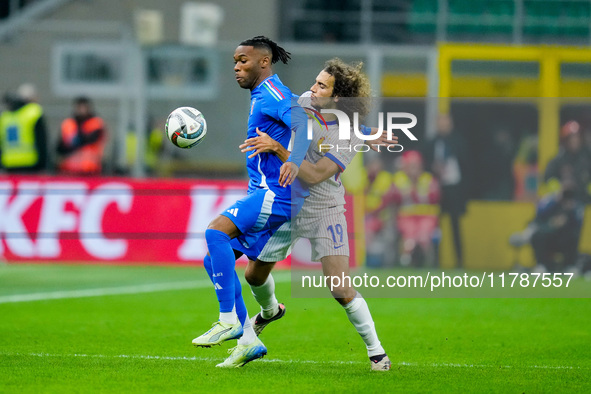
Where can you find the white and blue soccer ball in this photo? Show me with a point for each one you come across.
(185, 127)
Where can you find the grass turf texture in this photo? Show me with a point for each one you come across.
(142, 342)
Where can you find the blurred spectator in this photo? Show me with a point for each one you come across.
(525, 168)
(555, 231)
(378, 217)
(379, 182)
(82, 141)
(154, 147)
(498, 167)
(445, 157)
(23, 133)
(586, 134)
(415, 193)
(572, 164)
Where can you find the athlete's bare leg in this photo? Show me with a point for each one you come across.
(257, 272)
(354, 305)
(339, 266)
(225, 225)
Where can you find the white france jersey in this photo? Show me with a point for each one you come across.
(326, 143)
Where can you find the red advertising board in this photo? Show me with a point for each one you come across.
(110, 219)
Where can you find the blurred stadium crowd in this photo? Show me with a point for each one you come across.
(407, 196)
(25, 146)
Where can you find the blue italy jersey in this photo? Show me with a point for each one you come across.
(271, 111)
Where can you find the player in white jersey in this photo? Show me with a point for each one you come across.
(322, 218)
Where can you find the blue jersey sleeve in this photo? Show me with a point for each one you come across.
(275, 109)
(365, 130)
(292, 115)
(299, 125)
(282, 105)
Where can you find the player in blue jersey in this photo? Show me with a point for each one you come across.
(245, 227)
(322, 220)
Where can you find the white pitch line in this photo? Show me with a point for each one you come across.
(104, 291)
(107, 291)
(267, 360)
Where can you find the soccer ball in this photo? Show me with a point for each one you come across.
(185, 127)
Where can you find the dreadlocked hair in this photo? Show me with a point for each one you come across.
(350, 82)
(277, 52)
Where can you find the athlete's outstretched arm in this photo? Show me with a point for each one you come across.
(313, 174)
(309, 173)
(381, 140)
(264, 143)
(260, 145)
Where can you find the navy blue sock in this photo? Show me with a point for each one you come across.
(223, 263)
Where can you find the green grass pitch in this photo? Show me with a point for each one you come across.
(141, 341)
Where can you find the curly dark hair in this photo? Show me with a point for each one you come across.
(277, 52)
(350, 82)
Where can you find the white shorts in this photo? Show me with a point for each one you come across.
(327, 234)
